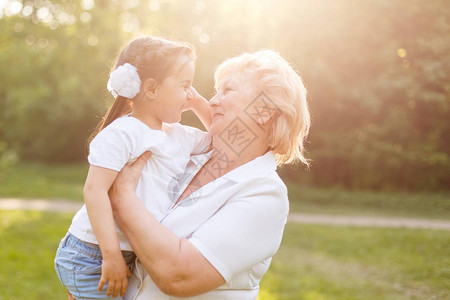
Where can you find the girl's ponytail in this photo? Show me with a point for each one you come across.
(121, 106)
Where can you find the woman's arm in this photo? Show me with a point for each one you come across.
(114, 269)
(174, 264)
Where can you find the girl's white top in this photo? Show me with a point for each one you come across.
(123, 141)
(236, 222)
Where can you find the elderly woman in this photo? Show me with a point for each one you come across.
(230, 206)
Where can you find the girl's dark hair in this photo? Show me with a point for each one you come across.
(153, 57)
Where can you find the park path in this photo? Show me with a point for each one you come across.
(302, 218)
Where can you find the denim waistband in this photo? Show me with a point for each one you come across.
(90, 249)
(81, 246)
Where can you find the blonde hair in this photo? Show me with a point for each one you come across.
(275, 77)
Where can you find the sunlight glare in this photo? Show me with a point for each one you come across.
(199, 7)
(87, 4)
(85, 17)
(154, 5)
(44, 14)
(93, 41)
(204, 38)
(197, 29)
(27, 10)
(13, 8)
(63, 17)
(401, 52)
(53, 25)
(3, 4)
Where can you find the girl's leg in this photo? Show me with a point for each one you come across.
(69, 295)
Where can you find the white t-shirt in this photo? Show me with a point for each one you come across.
(123, 141)
(235, 221)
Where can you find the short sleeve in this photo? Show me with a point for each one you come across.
(111, 149)
(245, 231)
(197, 140)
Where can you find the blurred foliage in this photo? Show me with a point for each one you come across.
(377, 74)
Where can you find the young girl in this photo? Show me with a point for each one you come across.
(152, 85)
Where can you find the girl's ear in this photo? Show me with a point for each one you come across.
(150, 87)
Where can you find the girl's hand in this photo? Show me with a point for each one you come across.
(200, 106)
(193, 101)
(114, 272)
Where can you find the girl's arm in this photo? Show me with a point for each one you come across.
(114, 268)
(174, 264)
(200, 106)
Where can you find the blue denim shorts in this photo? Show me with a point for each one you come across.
(79, 267)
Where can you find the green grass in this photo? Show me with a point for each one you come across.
(28, 244)
(383, 203)
(323, 262)
(35, 180)
(314, 262)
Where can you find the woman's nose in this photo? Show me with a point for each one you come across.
(214, 100)
(189, 95)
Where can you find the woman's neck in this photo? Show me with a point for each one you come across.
(225, 158)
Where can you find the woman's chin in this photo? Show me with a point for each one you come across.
(214, 129)
(173, 120)
(176, 118)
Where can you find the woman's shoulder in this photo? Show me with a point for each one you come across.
(269, 184)
(260, 181)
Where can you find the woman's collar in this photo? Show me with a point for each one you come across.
(257, 167)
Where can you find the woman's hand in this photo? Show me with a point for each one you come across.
(128, 178)
(126, 183)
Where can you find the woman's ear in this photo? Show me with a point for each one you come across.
(150, 87)
(266, 116)
(263, 119)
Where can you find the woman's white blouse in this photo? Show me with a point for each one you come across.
(235, 221)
